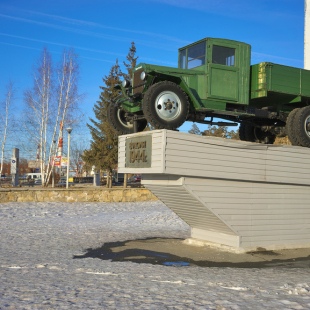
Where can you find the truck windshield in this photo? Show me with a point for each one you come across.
(193, 56)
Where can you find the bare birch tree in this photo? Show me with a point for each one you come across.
(5, 120)
(39, 100)
(76, 160)
(67, 98)
(52, 101)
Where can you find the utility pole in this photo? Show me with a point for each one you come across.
(15, 167)
(53, 161)
(69, 130)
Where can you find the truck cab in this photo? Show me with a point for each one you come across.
(225, 71)
(212, 79)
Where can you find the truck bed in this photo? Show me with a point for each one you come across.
(287, 83)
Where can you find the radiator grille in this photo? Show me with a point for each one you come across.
(138, 85)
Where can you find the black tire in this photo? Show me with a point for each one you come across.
(117, 119)
(165, 105)
(302, 126)
(251, 133)
(242, 132)
(291, 127)
(246, 132)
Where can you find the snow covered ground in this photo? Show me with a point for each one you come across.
(38, 270)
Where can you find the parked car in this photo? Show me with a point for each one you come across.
(38, 181)
(63, 183)
(134, 180)
(35, 176)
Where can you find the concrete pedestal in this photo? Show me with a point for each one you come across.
(238, 194)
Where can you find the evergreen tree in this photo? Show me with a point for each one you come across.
(104, 145)
(132, 61)
(195, 130)
(103, 148)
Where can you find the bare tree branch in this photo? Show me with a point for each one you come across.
(5, 120)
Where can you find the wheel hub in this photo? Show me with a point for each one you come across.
(167, 105)
(122, 117)
(307, 125)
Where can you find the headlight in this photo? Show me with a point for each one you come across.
(126, 83)
(143, 76)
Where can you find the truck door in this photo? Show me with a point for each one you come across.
(223, 72)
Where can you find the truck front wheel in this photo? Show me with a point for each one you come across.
(120, 122)
(165, 105)
(302, 126)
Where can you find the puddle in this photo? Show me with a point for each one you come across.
(176, 264)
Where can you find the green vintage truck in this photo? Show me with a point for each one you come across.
(215, 81)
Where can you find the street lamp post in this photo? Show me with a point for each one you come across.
(69, 130)
(53, 168)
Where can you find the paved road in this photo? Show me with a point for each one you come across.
(44, 264)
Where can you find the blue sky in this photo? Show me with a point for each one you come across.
(101, 31)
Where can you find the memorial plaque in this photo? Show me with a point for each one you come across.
(139, 152)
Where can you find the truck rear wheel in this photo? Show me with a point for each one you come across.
(119, 121)
(259, 134)
(302, 126)
(165, 105)
(290, 127)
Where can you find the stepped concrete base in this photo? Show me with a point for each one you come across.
(237, 194)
